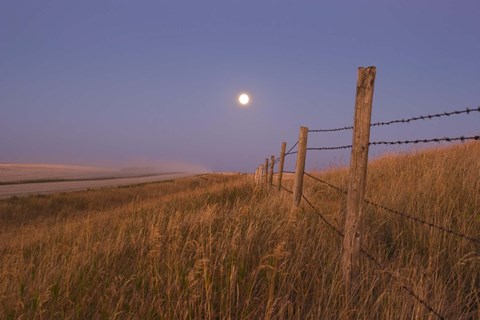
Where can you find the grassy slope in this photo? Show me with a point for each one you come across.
(221, 248)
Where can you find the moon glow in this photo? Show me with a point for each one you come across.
(244, 99)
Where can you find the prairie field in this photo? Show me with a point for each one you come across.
(220, 247)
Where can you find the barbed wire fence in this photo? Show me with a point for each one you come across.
(387, 123)
(357, 183)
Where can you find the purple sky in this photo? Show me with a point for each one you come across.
(121, 83)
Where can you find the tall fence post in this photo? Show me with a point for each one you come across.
(260, 172)
(300, 166)
(272, 165)
(266, 171)
(352, 242)
(280, 165)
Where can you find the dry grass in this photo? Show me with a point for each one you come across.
(222, 248)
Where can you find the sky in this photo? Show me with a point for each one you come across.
(122, 83)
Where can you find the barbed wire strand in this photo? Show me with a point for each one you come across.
(286, 154)
(419, 220)
(278, 159)
(378, 264)
(331, 130)
(404, 287)
(438, 140)
(289, 151)
(423, 117)
(330, 148)
(338, 232)
(325, 182)
(283, 188)
(370, 257)
(426, 117)
(403, 214)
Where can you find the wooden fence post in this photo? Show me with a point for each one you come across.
(266, 171)
(260, 176)
(260, 179)
(280, 165)
(352, 242)
(272, 164)
(300, 166)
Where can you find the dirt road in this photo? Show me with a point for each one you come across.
(24, 189)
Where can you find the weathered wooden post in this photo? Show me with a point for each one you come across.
(352, 242)
(266, 171)
(260, 180)
(281, 164)
(272, 165)
(300, 166)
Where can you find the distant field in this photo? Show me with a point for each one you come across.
(25, 179)
(219, 247)
(16, 173)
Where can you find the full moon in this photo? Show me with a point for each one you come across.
(243, 99)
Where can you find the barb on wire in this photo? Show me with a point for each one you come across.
(426, 117)
(423, 117)
(438, 140)
(331, 148)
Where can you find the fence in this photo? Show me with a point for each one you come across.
(355, 194)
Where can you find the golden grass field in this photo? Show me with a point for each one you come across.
(218, 247)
